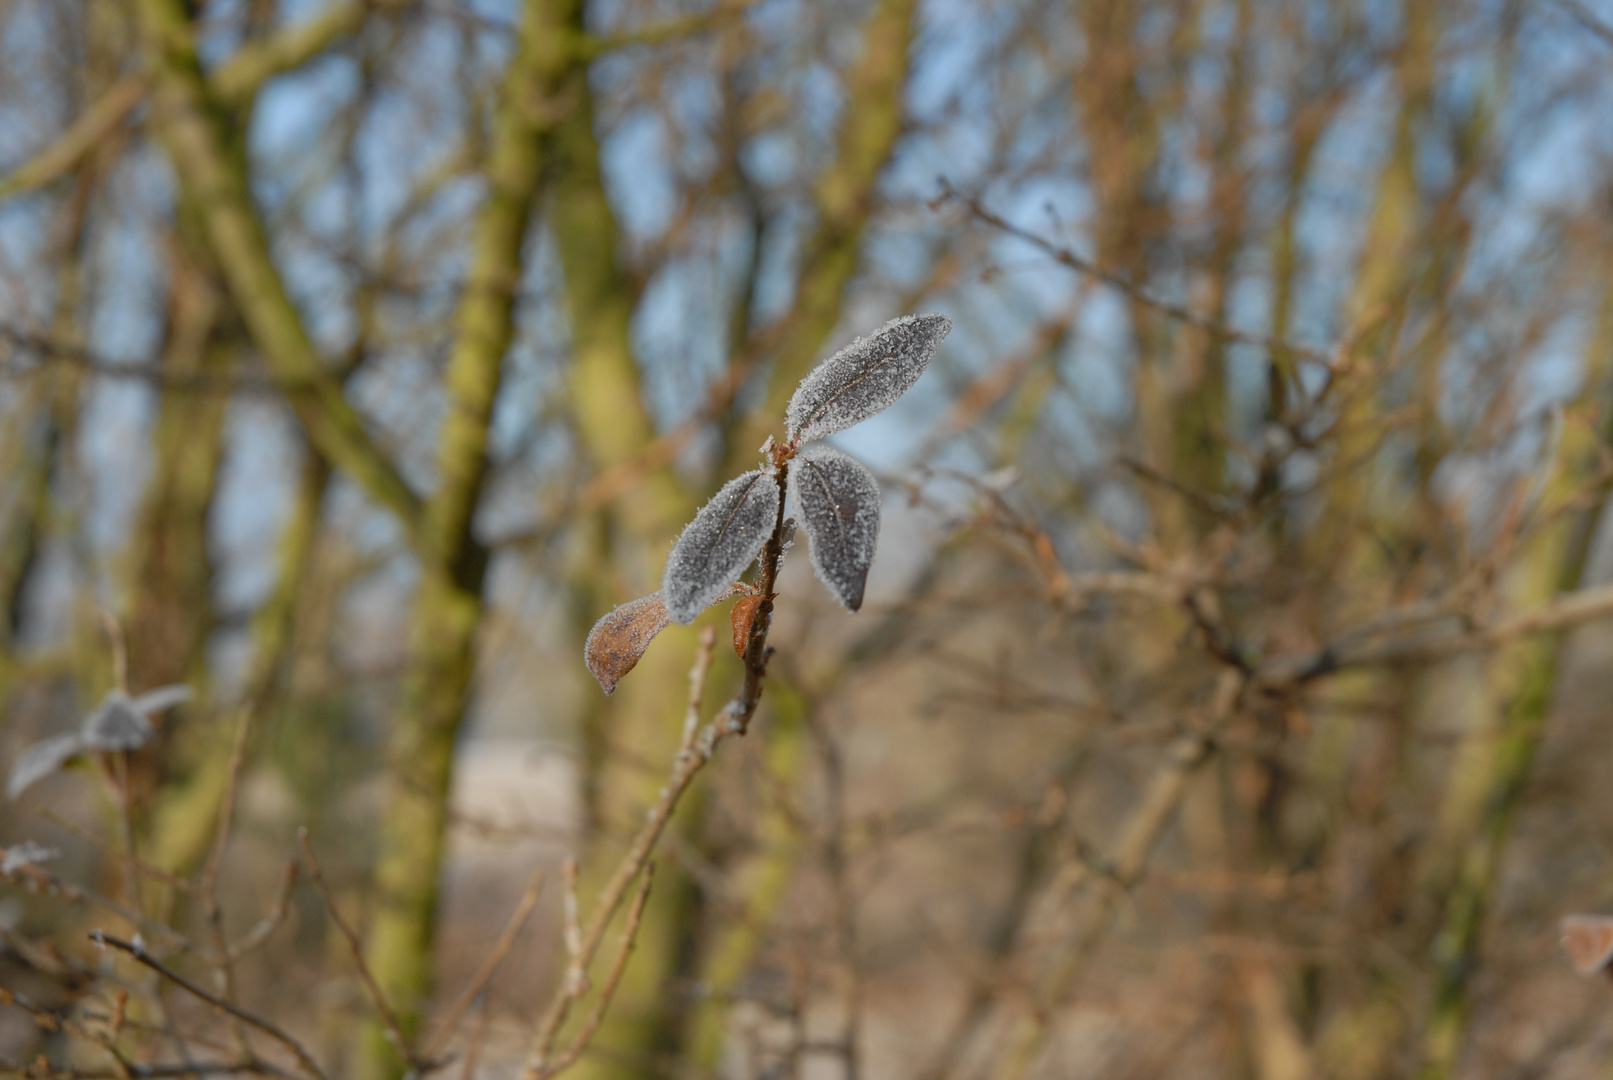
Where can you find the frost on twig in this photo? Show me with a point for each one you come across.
(24, 854)
(838, 500)
(866, 377)
(715, 548)
(620, 637)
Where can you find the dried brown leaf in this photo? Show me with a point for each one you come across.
(741, 618)
(619, 638)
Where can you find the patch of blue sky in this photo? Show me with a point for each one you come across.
(696, 98)
(31, 111)
(534, 365)
(403, 134)
(321, 287)
(780, 258)
(293, 113)
(1049, 208)
(820, 101)
(637, 175)
(680, 336)
(129, 270)
(24, 239)
(258, 476)
(218, 36)
(900, 257)
(959, 152)
(775, 19)
(953, 40)
(771, 159)
(114, 449)
(403, 397)
(1097, 364)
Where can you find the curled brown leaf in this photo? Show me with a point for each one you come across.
(620, 637)
(742, 617)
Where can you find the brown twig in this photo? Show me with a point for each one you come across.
(139, 953)
(38, 880)
(156, 873)
(1574, 609)
(585, 1033)
(224, 969)
(271, 922)
(389, 1019)
(739, 711)
(586, 940)
(136, 1071)
(1065, 257)
(490, 965)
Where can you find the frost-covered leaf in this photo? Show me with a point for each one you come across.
(164, 697)
(838, 500)
(117, 725)
(865, 377)
(618, 639)
(40, 760)
(24, 854)
(717, 546)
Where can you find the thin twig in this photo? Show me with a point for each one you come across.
(139, 953)
(490, 965)
(271, 922)
(585, 1033)
(1070, 259)
(137, 1071)
(1574, 609)
(389, 1019)
(157, 873)
(686, 766)
(224, 970)
(41, 882)
(740, 710)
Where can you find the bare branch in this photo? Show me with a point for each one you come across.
(140, 955)
(585, 1033)
(238, 78)
(490, 965)
(388, 1018)
(82, 136)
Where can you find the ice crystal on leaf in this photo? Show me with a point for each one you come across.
(619, 638)
(715, 548)
(837, 497)
(866, 377)
(838, 500)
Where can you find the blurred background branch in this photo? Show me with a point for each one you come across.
(1228, 694)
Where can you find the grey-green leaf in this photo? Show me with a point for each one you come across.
(838, 500)
(715, 548)
(164, 697)
(40, 760)
(117, 725)
(865, 377)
